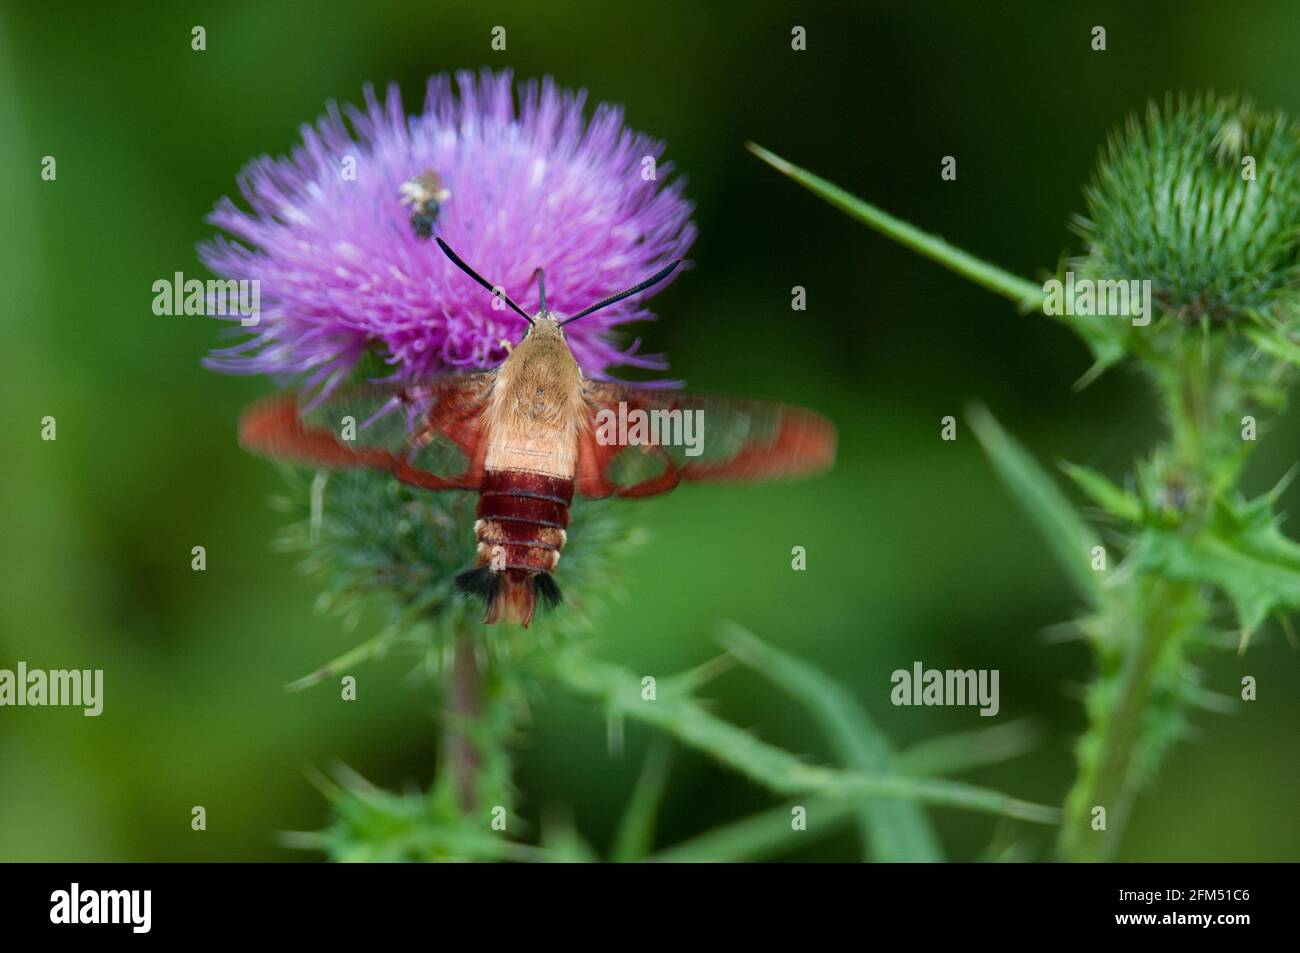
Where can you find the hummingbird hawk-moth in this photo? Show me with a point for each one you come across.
(527, 436)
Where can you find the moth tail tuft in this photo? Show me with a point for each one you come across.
(481, 584)
(547, 590)
(509, 596)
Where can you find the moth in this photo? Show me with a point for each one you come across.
(528, 435)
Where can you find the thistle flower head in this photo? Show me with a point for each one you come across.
(1202, 199)
(338, 233)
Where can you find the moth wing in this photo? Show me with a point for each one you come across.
(429, 435)
(731, 440)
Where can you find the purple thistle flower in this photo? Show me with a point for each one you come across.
(343, 270)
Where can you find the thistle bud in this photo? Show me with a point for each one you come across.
(1202, 198)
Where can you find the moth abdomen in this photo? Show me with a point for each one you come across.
(521, 530)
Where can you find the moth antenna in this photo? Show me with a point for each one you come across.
(459, 263)
(541, 287)
(635, 289)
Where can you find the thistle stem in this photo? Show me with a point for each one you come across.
(464, 706)
(1147, 620)
(1119, 741)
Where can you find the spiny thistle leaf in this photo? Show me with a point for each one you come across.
(563, 842)
(949, 754)
(1062, 527)
(1025, 294)
(1241, 551)
(635, 835)
(892, 830)
(689, 722)
(1111, 498)
(766, 834)
(373, 825)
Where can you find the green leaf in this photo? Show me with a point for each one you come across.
(374, 825)
(1064, 530)
(688, 721)
(963, 750)
(1242, 551)
(372, 647)
(1104, 337)
(1110, 497)
(761, 835)
(1106, 341)
(563, 843)
(769, 833)
(636, 831)
(892, 830)
(1274, 343)
(1027, 295)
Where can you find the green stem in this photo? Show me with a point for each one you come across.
(464, 706)
(1146, 622)
(1120, 744)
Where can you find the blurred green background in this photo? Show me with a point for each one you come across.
(915, 551)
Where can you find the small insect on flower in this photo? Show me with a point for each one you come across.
(529, 433)
(425, 194)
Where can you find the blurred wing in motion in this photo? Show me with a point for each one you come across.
(642, 442)
(427, 435)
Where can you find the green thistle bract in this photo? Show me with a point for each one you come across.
(1203, 199)
(369, 541)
